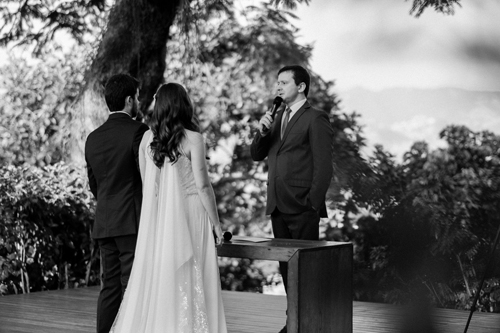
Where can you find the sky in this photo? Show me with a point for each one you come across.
(408, 77)
(377, 44)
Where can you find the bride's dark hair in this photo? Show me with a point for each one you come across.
(173, 112)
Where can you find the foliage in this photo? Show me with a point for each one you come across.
(418, 6)
(233, 58)
(241, 275)
(442, 6)
(45, 233)
(437, 223)
(37, 22)
(34, 112)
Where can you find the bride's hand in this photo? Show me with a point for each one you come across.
(218, 235)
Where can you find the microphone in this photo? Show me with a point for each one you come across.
(276, 104)
(227, 236)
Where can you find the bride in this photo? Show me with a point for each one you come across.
(174, 286)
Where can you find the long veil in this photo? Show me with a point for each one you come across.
(164, 245)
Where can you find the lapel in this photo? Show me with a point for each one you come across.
(293, 120)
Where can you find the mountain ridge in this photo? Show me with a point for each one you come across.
(397, 117)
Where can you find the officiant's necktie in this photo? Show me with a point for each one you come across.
(285, 121)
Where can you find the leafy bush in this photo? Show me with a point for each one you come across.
(35, 107)
(432, 225)
(45, 232)
(45, 238)
(241, 275)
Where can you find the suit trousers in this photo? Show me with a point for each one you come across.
(117, 256)
(303, 226)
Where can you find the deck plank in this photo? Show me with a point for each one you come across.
(73, 310)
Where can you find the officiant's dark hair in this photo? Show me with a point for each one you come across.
(173, 112)
(300, 74)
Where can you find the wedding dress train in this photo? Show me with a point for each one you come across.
(174, 286)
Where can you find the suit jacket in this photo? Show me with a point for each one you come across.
(111, 153)
(300, 164)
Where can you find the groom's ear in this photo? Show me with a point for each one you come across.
(129, 101)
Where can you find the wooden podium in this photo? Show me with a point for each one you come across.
(320, 275)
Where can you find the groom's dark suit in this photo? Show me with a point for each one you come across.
(111, 153)
(300, 170)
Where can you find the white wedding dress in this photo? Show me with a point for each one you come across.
(174, 286)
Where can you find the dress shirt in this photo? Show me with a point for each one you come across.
(113, 112)
(294, 107)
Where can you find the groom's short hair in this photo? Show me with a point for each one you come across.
(117, 89)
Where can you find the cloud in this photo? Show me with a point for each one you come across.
(396, 118)
(485, 50)
(377, 44)
(417, 128)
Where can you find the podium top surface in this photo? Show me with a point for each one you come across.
(272, 248)
(281, 242)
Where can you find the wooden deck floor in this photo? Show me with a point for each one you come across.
(73, 310)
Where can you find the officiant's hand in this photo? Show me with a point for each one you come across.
(265, 123)
(218, 235)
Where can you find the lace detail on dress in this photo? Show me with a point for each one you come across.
(201, 318)
(186, 176)
(197, 312)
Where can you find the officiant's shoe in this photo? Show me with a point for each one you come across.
(283, 330)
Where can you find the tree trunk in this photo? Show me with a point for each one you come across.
(134, 43)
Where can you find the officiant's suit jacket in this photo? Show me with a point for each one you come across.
(111, 153)
(300, 164)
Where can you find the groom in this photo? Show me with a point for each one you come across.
(298, 146)
(111, 153)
